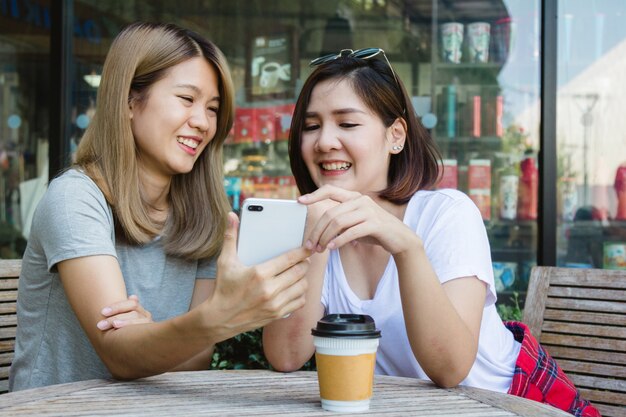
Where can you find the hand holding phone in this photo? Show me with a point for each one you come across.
(268, 228)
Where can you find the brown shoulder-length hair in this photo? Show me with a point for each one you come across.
(141, 55)
(413, 169)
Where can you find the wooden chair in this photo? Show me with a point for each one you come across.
(579, 316)
(9, 274)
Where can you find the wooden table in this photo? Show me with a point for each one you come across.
(258, 393)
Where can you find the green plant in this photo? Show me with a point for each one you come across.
(245, 351)
(510, 312)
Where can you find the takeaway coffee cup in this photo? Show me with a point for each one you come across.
(345, 354)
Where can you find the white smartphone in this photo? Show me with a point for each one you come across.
(268, 228)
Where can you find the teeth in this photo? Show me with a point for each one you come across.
(188, 142)
(334, 166)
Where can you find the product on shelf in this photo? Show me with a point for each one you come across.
(478, 42)
(451, 122)
(620, 189)
(450, 177)
(282, 121)
(232, 186)
(245, 125)
(504, 275)
(528, 189)
(614, 255)
(569, 199)
(451, 42)
(508, 196)
(503, 34)
(265, 124)
(479, 185)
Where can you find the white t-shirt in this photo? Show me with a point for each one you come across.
(456, 243)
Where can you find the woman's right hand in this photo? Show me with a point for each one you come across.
(251, 297)
(124, 313)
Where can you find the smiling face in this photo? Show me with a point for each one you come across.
(177, 119)
(344, 143)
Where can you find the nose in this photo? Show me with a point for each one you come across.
(328, 139)
(199, 119)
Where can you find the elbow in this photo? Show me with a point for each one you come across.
(123, 374)
(449, 378)
(123, 371)
(447, 381)
(449, 374)
(285, 364)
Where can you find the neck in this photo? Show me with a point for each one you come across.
(155, 191)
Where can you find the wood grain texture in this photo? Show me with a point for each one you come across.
(9, 279)
(579, 316)
(258, 393)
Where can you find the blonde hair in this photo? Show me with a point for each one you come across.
(139, 56)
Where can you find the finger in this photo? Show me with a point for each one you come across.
(328, 192)
(229, 248)
(283, 262)
(330, 225)
(292, 298)
(122, 320)
(121, 307)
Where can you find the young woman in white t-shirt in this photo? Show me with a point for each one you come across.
(415, 259)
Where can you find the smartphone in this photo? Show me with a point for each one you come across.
(268, 228)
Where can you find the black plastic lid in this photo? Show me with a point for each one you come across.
(347, 325)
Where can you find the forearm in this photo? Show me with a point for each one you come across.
(149, 349)
(440, 339)
(200, 362)
(288, 343)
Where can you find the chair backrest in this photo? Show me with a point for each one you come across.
(9, 274)
(579, 316)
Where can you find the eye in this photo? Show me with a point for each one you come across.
(213, 109)
(348, 125)
(310, 127)
(187, 98)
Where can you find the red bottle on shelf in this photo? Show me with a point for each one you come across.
(528, 189)
(620, 189)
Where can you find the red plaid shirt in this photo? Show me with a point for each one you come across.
(538, 377)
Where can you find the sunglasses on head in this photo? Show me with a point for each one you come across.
(365, 53)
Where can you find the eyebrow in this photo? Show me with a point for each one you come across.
(337, 112)
(196, 90)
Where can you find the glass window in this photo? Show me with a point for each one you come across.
(590, 134)
(24, 118)
(471, 67)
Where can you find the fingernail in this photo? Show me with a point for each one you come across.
(331, 245)
(320, 249)
(103, 325)
(118, 323)
(303, 197)
(106, 311)
(308, 245)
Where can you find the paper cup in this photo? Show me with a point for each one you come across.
(478, 42)
(345, 355)
(451, 41)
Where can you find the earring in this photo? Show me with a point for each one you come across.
(397, 148)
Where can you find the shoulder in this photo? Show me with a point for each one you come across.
(441, 201)
(72, 197)
(74, 186)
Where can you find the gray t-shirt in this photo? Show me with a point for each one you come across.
(73, 220)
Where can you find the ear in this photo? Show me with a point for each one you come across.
(396, 135)
(131, 103)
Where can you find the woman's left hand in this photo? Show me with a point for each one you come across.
(356, 218)
(124, 313)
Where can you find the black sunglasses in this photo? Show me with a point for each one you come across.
(365, 53)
